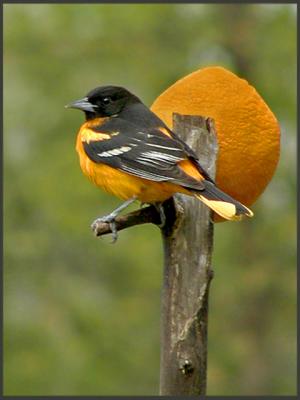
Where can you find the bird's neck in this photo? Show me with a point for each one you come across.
(140, 115)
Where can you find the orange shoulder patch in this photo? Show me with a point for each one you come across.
(87, 133)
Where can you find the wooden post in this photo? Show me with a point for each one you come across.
(188, 242)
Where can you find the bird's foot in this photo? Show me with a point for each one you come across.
(107, 219)
(111, 219)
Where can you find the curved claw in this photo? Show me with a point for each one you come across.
(114, 231)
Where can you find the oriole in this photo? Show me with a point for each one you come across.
(125, 149)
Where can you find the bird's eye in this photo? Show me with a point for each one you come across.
(106, 100)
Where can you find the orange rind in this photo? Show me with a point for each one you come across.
(248, 133)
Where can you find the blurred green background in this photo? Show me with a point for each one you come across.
(82, 316)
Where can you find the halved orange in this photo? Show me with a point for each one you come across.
(247, 131)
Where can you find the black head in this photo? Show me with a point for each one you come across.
(104, 101)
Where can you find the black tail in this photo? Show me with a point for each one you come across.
(222, 203)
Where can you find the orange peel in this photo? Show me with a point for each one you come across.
(248, 133)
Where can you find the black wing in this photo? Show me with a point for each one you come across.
(147, 153)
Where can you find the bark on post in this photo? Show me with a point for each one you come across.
(188, 242)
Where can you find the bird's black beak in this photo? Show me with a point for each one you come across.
(82, 104)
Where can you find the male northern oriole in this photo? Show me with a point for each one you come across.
(128, 151)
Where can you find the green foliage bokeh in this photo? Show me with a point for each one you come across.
(81, 317)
